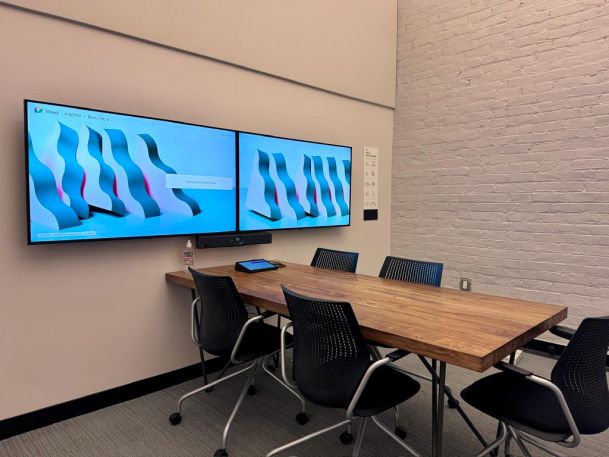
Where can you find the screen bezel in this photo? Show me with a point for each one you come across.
(27, 181)
(239, 230)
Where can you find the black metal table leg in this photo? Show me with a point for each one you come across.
(458, 407)
(438, 381)
(511, 361)
(434, 410)
(440, 413)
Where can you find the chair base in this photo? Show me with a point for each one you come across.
(506, 435)
(358, 441)
(249, 388)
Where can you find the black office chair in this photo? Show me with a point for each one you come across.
(335, 260)
(332, 367)
(413, 271)
(574, 402)
(331, 259)
(226, 331)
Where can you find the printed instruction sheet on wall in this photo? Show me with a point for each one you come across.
(371, 183)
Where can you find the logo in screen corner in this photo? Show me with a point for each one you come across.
(38, 109)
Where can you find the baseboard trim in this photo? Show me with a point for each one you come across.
(73, 408)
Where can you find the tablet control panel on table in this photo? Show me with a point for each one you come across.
(254, 266)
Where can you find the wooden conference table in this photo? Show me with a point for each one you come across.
(466, 329)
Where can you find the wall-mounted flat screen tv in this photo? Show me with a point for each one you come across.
(287, 184)
(98, 175)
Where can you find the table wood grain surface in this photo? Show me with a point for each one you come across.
(466, 329)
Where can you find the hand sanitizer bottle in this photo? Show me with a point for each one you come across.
(189, 256)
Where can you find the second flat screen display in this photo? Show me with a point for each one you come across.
(287, 184)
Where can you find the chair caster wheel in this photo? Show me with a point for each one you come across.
(221, 453)
(400, 432)
(452, 403)
(175, 418)
(251, 390)
(346, 437)
(302, 418)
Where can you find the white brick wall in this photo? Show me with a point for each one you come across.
(501, 146)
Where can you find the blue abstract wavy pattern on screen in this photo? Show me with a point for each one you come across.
(310, 193)
(309, 183)
(292, 198)
(136, 182)
(50, 210)
(153, 152)
(269, 186)
(95, 175)
(338, 187)
(73, 173)
(106, 175)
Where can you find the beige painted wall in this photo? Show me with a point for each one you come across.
(346, 46)
(501, 147)
(77, 319)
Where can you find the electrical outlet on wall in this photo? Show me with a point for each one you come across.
(465, 284)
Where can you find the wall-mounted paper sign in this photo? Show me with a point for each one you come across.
(371, 183)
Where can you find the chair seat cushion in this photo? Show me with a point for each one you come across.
(260, 339)
(386, 388)
(520, 403)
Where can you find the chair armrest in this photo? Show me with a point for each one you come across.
(284, 375)
(546, 347)
(267, 314)
(363, 382)
(513, 369)
(259, 312)
(193, 314)
(527, 375)
(562, 331)
(563, 406)
(249, 322)
(397, 354)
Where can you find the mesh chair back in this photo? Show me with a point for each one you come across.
(580, 375)
(330, 353)
(335, 260)
(415, 271)
(222, 313)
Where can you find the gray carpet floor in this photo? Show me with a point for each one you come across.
(139, 428)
